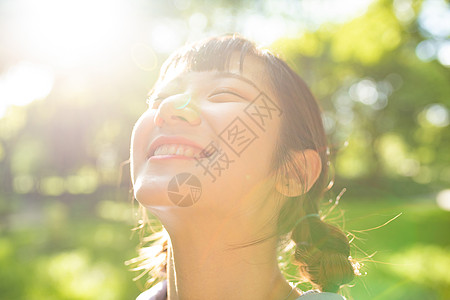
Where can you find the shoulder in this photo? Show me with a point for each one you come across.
(157, 292)
(320, 296)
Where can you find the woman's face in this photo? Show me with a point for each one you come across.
(207, 140)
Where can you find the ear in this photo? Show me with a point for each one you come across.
(308, 165)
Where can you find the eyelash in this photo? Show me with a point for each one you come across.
(222, 92)
(152, 101)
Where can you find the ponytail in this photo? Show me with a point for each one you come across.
(322, 253)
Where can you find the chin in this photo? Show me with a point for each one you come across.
(151, 192)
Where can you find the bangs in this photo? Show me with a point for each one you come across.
(213, 54)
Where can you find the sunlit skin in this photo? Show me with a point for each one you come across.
(239, 207)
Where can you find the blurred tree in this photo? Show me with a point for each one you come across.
(382, 79)
(391, 107)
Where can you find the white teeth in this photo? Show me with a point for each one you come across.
(165, 148)
(189, 152)
(172, 149)
(175, 149)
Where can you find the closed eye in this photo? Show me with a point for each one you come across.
(153, 102)
(225, 96)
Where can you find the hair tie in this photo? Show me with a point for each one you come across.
(305, 217)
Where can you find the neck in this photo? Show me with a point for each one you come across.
(208, 259)
(204, 266)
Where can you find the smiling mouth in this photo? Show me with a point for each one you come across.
(181, 150)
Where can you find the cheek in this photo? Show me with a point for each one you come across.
(219, 115)
(234, 126)
(251, 163)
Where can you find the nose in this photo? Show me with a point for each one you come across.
(177, 109)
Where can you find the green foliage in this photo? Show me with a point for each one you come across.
(378, 97)
(404, 259)
(64, 254)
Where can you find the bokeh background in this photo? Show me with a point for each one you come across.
(74, 77)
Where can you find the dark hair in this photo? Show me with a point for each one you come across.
(322, 250)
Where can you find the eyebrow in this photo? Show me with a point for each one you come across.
(237, 76)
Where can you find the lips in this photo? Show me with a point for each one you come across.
(164, 146)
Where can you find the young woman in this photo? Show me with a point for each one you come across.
(231, 157)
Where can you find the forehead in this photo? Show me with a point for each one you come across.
(252, 71)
